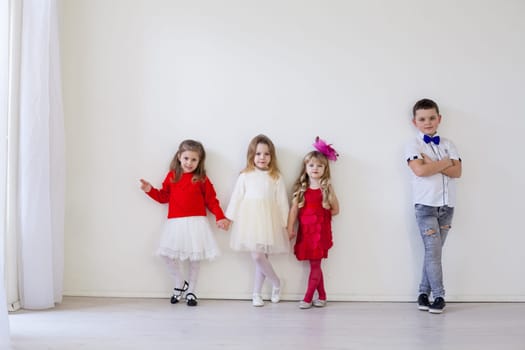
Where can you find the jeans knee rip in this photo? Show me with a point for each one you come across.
(446, 227)
(430, 232)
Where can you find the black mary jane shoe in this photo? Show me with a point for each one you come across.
(191, 299)
(177, 293)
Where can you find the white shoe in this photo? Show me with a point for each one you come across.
(304, 305)
(257, 300)
(276, 293)
(319, 303)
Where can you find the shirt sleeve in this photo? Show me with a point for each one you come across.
(162, 195)
(236, 198)
(412, 151)
(212, 203)
(452, 151)
(281, 198)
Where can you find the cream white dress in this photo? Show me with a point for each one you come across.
(259, 211)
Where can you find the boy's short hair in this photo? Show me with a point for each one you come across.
(424, 104)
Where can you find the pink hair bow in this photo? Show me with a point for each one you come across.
(325, 149)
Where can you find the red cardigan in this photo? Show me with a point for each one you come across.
(186, 197)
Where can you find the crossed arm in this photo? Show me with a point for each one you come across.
(428, 167)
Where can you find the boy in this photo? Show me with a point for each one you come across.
(435, 163)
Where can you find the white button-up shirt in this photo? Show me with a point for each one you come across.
(436, 190)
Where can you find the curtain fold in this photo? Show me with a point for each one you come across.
(4, 321)
(41, 171)
(4, 93)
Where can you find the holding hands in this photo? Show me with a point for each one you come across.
(224, 224)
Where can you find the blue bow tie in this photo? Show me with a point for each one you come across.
(429, 139)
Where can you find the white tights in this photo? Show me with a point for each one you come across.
(175, 269)
(263, 269)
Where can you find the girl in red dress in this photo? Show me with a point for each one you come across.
(187, 234)
(313, 204)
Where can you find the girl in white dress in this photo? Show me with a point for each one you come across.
(259, 210)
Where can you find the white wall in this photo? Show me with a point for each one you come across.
(140, 76)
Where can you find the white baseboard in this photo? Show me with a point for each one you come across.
(293, 297)
(14, 306)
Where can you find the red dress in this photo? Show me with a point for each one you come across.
(314, 235)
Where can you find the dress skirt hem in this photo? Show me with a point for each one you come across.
(188, 238)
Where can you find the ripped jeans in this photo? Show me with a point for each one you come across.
(434, 224)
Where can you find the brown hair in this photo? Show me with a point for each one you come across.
(199, 174)
(273, 169)
(424, 104)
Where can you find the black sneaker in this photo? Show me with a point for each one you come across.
(422, 302)
(437, 306)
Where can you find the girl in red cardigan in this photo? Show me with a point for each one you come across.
(187, 234)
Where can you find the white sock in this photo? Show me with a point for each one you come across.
(193, 275)
(258, 280)
(263, 268)
(175, 270)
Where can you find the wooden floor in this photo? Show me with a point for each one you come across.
(114, 324)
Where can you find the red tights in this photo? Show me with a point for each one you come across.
(315, 282)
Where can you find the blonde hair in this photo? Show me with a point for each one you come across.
(303, 181)
(199, 174)
(273, 169)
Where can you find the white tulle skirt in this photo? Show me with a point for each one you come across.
(259, 228)
(188, 238)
